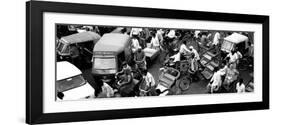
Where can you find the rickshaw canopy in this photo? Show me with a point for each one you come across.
(118, 30)
(112, 42)
(81, 37)
(236, 38)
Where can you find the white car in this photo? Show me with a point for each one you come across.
(70, 84)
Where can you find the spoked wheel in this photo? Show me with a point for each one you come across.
(184, 83)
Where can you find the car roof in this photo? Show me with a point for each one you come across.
(112, 42)
(81, 37)
(66, 70)
(236, 38)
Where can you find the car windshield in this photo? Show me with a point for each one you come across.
(227, 45)
(60, 46)
(105, 63)
(70, 83)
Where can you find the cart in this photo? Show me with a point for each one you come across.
(150, 53)
(209, 61)
(168, 78)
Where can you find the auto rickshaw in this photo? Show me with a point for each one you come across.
(79, 44)
(108, 54)
(234, 41)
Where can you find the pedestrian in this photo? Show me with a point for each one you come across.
(240, 87)
(172, 34)
(250, 51)
(194, 51)
(183, 49)
(159, 35)
(238, 56)
(106, 90)
(196, 34)
(154, 41)
(139, 58)
(223, 69)
(232, 56)
(149, 81)
(135, 43)
(231, 75)
(215, 82)
(176, 57)
(135, 31)
(193, 68)
(216, 39)
(204, 39)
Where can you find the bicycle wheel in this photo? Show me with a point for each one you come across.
(184, 84)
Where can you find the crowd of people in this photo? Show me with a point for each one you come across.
(175, 46)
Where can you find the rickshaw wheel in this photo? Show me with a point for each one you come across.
(184, 84)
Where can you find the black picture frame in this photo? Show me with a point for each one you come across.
(34, 61)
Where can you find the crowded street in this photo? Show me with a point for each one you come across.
(139, 62)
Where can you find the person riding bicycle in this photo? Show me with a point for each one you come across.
(125, 85)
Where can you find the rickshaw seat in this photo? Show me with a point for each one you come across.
(167, 80)
(214, 64)
(209, 66)
(211, 54)
(207, 73)
(207, 56)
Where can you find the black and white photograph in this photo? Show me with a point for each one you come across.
(98, 61)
